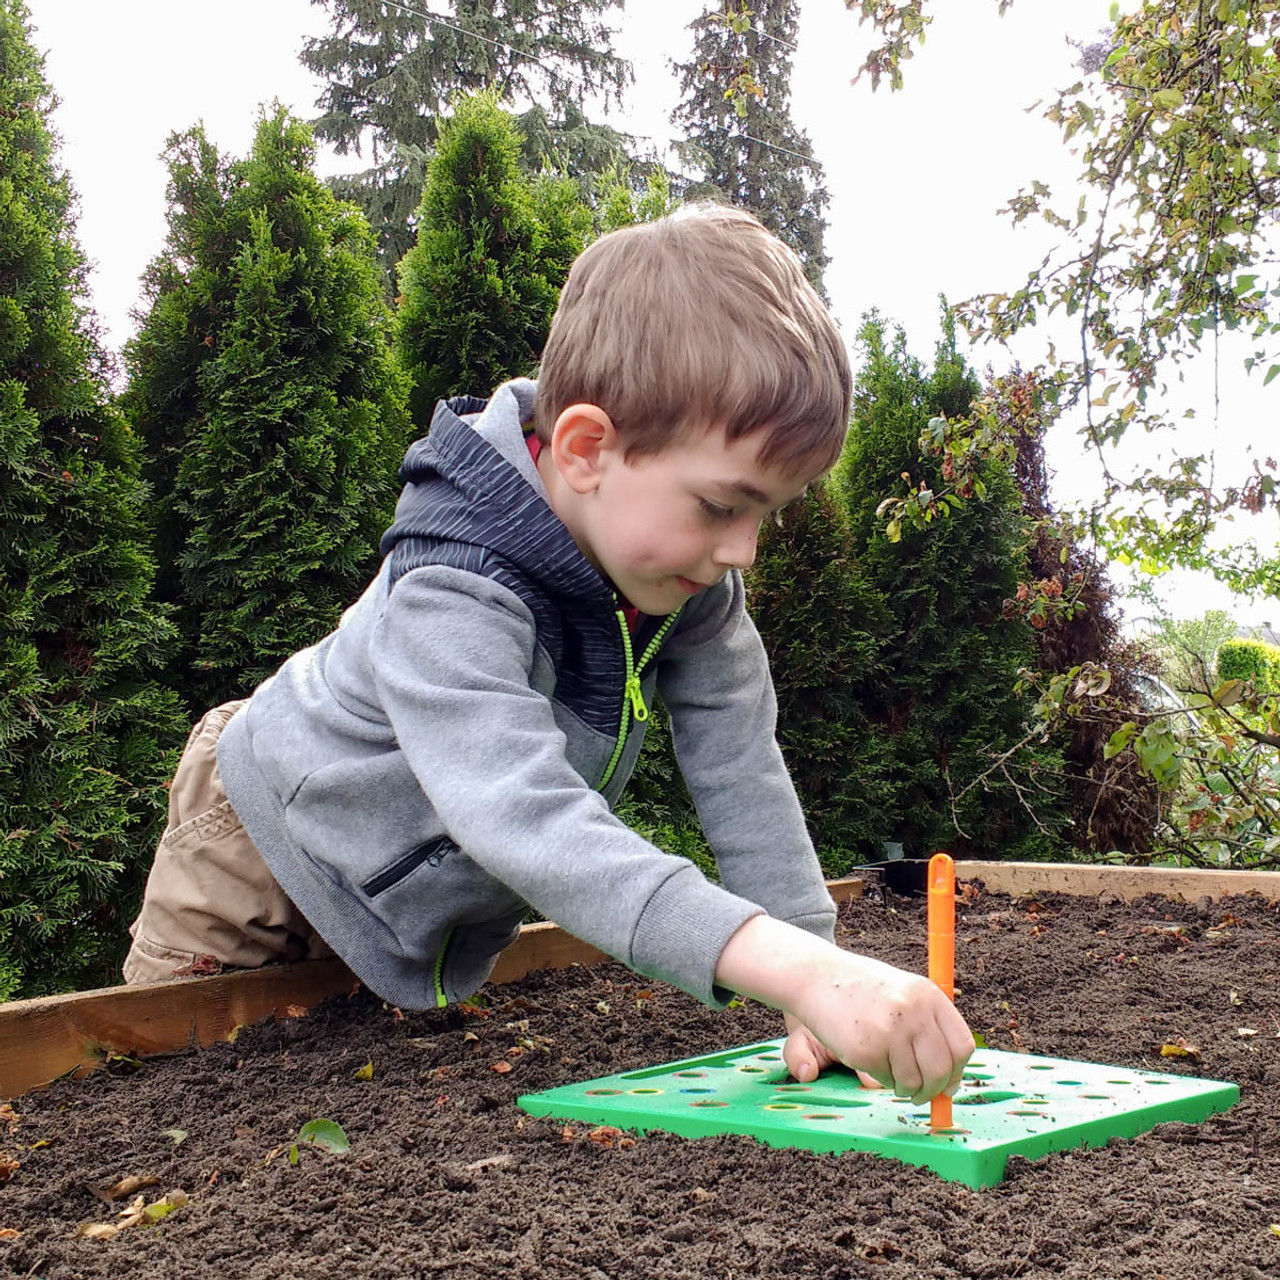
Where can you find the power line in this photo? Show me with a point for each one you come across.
(475, 35)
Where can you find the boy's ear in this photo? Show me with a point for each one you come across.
(581, 441)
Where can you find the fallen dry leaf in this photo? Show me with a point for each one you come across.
(606, 1135)
(127, 1186)
(500, 1067)
(136, 1213)
(8, 1166)
(365, 1072)
(9, 1233)
(567, 1134)
(296, 1011)
(9, 1116)
(1180, 1048)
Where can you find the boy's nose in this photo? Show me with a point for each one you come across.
(737, 549)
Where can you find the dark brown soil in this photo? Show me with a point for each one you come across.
(446, 1177)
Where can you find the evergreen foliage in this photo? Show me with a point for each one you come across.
(264, 389)
(948, 708)
(825, 626)
(735, 118)
(478, 290)
(86, 732)
(393, 71)
(1250, 660)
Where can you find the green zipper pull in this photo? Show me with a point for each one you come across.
(638, 709)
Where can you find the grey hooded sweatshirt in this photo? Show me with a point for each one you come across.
(448, 756)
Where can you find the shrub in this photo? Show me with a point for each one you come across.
(86, 732)
(1250, 660)
(271, 411)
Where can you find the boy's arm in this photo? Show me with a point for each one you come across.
(452, 657)
(714, 681)
(896, 1026)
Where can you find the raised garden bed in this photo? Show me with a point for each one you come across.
(445, 1176)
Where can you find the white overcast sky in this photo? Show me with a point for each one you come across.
(915, 177)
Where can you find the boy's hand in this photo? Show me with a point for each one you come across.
(896, 1026)
(807, 1057)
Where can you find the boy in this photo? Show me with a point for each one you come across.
(404, 790)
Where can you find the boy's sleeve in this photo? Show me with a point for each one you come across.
(454, 654)
(714, 680)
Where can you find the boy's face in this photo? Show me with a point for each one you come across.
(665, 526)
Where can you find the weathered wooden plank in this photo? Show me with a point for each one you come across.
(41, 1040)
(1189, 884)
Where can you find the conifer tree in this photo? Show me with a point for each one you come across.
(393, 71)
(735, 120)
(825, 627)
(478, 290)
(948, 708)
(272, 413)
(86, 732)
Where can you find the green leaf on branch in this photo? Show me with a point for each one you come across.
(1119, 740)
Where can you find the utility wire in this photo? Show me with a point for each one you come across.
(475, 35)
(520, 53)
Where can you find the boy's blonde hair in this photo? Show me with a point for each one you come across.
(700, 319)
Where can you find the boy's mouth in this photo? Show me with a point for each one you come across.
(688, 584)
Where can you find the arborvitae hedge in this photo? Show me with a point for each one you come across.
(824, 627)
(85, 731)
(948, 707)
(273, 415)
(478, 290)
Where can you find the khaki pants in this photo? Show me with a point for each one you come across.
(210, 900)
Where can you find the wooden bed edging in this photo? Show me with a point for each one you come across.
(43, 1039)
(1190, 884)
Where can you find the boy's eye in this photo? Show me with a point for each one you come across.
(715, 510)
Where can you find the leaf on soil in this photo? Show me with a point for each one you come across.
(1275, 1228)
(1236, 998)
(1246, 1031)
(44, 1142)
(500, 1067)
(129, 1185)
(8, 1167)
(176, 1136)
(1180, 1048)
(9, 1116)
(608, 1135)
(136, 1213)
(296, 1011)
(9, 1233)
(365, 1072)
(328, 1135)
(602, 1006)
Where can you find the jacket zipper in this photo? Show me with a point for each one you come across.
(632, 706)
(632, 698)
(438, 976)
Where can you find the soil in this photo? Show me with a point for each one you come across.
(446, 1177)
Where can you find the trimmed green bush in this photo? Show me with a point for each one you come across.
(946, 711)
(86, 732)
(1250, 660)
(272, 414)
(478, 290)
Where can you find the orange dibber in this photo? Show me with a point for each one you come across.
(942, 954)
